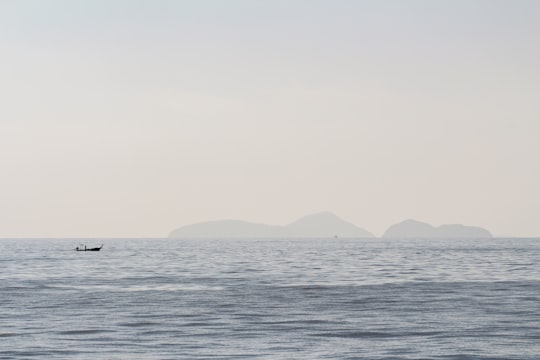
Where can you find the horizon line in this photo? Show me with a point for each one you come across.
(256, 237)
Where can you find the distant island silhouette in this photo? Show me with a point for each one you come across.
(323, 225)
(418, 229)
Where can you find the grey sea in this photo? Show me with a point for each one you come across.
(270, 299)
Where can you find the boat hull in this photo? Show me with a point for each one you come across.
(88, 249)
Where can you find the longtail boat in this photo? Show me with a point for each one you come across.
(84, 248)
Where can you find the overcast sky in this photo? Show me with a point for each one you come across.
(131, 118)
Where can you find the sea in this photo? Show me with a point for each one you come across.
(270, 299)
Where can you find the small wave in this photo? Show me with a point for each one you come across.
(204, 324)
(375, 334)
(171, 287)
(5, 335)
(138, 324)
(355, 334)
(148, 287)
(83, 332)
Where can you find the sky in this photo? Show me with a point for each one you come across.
(131, 118)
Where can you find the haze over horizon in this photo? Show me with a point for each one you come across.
(132, 118)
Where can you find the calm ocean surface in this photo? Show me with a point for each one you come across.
(270, 299)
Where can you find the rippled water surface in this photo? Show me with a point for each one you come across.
(270, 299)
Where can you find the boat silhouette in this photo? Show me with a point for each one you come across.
(84, 248)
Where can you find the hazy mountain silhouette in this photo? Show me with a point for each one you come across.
(323, 224)
(417, 229)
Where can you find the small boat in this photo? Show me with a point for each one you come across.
(84, 248)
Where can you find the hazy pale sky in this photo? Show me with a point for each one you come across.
(131, 118)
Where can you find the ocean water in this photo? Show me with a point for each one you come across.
(270, 299)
